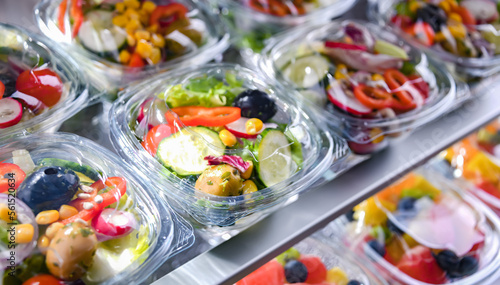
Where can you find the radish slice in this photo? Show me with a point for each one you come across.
(338, 97)
(113, 224)
(484, 11)
(330, 44)
(238, 128)
(30, 102)
(11, 112)
(362, 60)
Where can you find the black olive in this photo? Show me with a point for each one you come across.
(9, 80)
(433, 15)
(48, 188)
(255, 104)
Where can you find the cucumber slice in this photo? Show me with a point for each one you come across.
(184, 152)
(275, 157)
(307, 71)
(99, 35)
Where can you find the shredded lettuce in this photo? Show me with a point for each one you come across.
(206, 91)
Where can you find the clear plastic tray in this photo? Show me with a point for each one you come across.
(195, 37)
(342, 264)
(447, 236)
(468, 68)
(318, 149)
(364, 134)
(156, 234)
(25, 56)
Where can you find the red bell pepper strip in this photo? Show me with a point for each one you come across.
(77, 15)
(395, 80)
(372, 97)
(11, 176)
(2, 89)
(119, 189)
(60, 18)
(208, 117)
(176, 10)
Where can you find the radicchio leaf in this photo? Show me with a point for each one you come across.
(233, 160)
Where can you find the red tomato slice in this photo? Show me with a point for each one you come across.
(271, 273)
(43, 279)
(136, 60)
(315, 267)
(2, 89)
(155, 136)
(43, 84)
(11, 176)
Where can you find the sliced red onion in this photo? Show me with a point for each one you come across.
(360, 35)
(113, 224)
(30, 102)
(360, 60)
(233, 160)
(349, 104)
(22, 251)
(238, 128)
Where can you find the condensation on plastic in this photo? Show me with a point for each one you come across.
(381, 11)
(167, 234)
(26, 48)
(318, 148)
(353, 235)
(442, 97)
(332, 255)
(108, 77)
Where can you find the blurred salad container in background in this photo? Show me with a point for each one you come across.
(314, 262)
(79, 215)
(361, 80)
(118, 42)
(424, 230)
(464, 33)
(40, 86)
(252, 22)
(222, 142)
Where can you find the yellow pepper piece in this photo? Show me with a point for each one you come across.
(158, 40)
(120, 21)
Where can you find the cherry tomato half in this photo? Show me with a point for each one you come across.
(42, 279)
(155, 136)
(41, 83)
(11, 176)
(422, 32)
(2, 89)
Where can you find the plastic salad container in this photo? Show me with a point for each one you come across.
(221, 141)
(252, 22)
(314, 262)
(362, 80)
(119, 42)
(71, 211)
(40, 86)
(479, 170)
(424, 230)
(464, 34)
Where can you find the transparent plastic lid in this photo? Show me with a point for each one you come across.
(424, 230)
(80, 215)
(221, 140)
(465, 33)
(360, 78)
(40, 85)
(130, 40)
(314, 262)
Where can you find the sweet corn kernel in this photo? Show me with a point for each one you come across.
(133, 4)
(458, 31)
(23, 233)
(131, 40)
(439, 37)
(132, 26)
(414, 6)
(124, 56)
(148, 6)
(67, 211)
(453, 3)
(249, 187)
(43, 244)
(158, 40)
(6, 214)
(339, 75)
(152, 29)
(455, 17)
(144, 49)
(144, 17)
(376, 132)
(377, 77)
(120, 21)
(227, 138)
(445, 5)
(132, 14)
(120, 7)
(342, 66)
(51, 230)
(248, 173)
(155, 56)
(142, 35)
(253, 126)
(47, 217)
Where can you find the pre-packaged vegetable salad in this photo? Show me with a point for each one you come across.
(313, 262)
(424, 230)
(40, 86)
(221, 141)
(461, 32)
(72, 213)
(127, 40)
(361, 79)
(254, 21)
